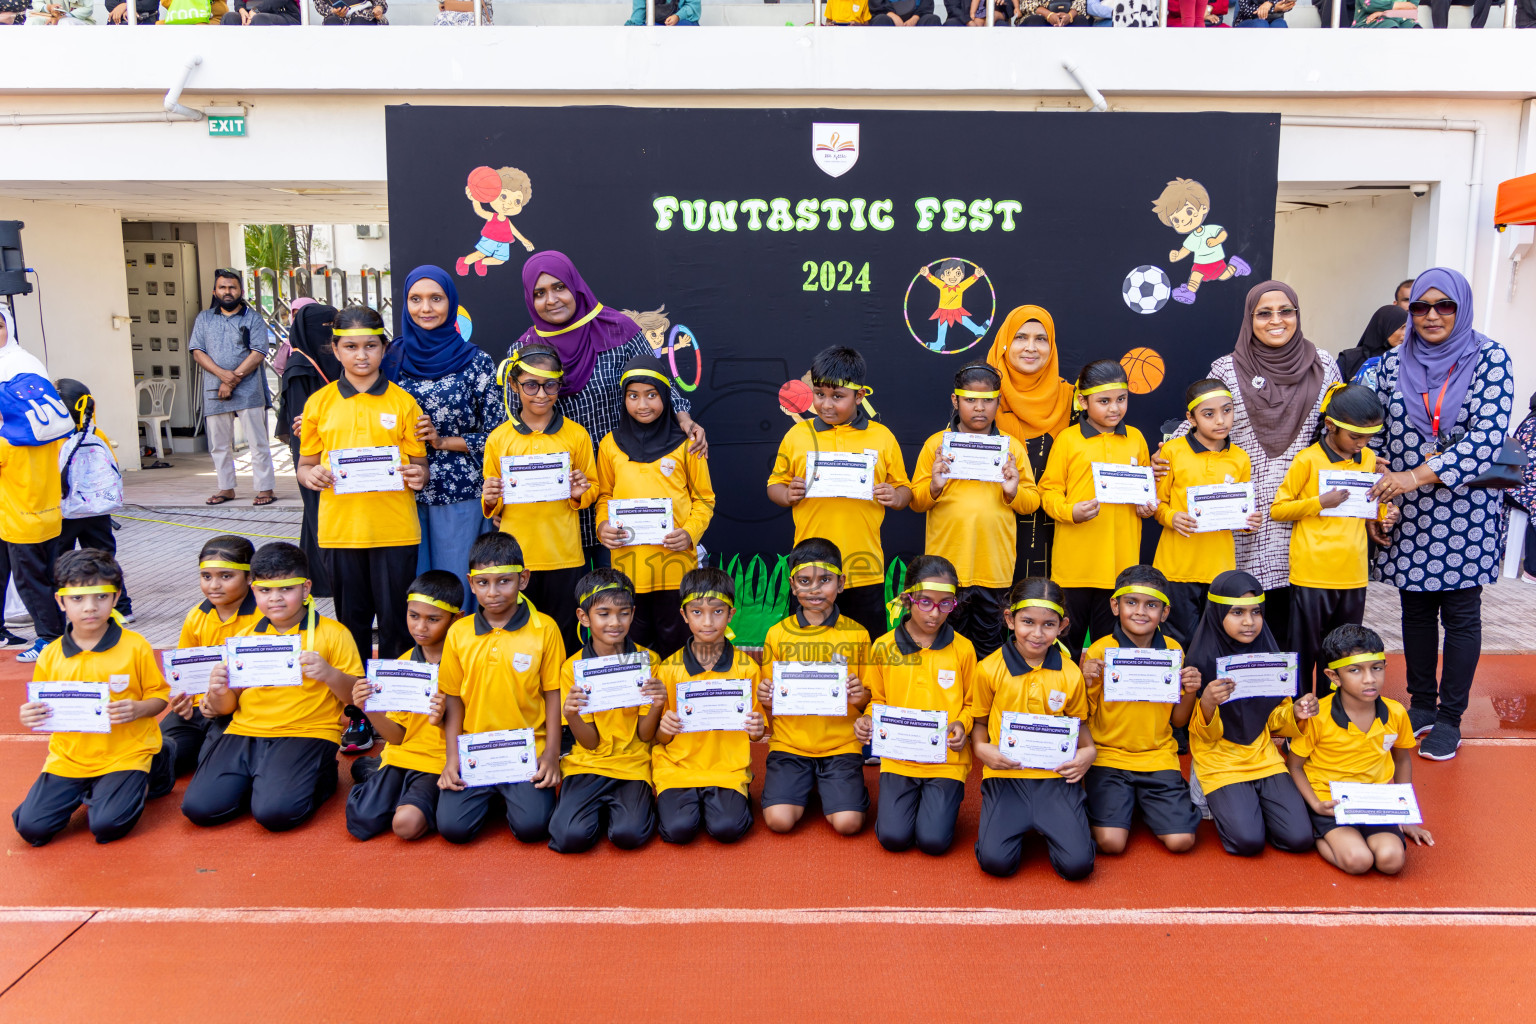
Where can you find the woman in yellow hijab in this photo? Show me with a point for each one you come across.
(1036, 406)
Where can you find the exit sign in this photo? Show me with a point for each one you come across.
(227, 125)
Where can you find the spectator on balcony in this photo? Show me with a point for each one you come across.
(1525, 14)
(1052, 14)
(343, 13)
(667, 12)
(61, 12)
(462, 12)
(902, 13)
(263, 12)
(1389, 14)
(147, 11)
(1265, 14)
(1197, 13)
(14, 12)
(845, 12)
(973, 13)
(1440, 11)
(216, 11)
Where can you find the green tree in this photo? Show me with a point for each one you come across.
(268, 245)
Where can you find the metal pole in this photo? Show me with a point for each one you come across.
(303, 13)
(1509, 13)
(1162, 14)
(133, 12)
(1337, 9)
(478, 19)
(816, 13)
(991, 12)
(650, 12)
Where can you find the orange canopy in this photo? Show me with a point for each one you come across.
(1517, 202)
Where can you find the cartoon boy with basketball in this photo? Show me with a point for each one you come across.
(507, 190)
(952, 284)
(1183, 206)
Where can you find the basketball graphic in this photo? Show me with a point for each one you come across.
(795, 398)
(484, 183)
(1144, 369)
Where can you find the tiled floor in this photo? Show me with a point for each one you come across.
(190, 480)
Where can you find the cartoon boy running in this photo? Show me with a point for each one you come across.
(1183, 206)
(952, 284)
(495, 246)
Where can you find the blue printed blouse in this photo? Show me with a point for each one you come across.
(466, 404)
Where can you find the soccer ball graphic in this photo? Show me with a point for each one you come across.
(1146, 290)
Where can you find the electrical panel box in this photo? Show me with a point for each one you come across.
(164, 298)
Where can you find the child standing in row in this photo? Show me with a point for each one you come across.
(548, 532)
(646, 456)
(852, 525)
(973, 523)
(1094, 543)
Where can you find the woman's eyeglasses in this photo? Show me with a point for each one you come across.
(1445, 307)
(927, 604)
(1283, 313)
(531, 388)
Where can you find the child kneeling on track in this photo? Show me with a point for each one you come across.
(402, 793)
(1329, 554)
(607, 783)
(702, 776)
(500, 670)
(228, 609)
(1137, 762)
(277, 758)
(1357, 736)
(1033, 674)
(974, 523)
(925, 665)
(813, 752)
(112, 772)
(1236, 769)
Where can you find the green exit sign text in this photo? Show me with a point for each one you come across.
(229, 126)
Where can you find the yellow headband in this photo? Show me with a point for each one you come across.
(358, 332)
(864, 391)
(572, 326)
(963, 393)
(1038, 602)
(1354, 429)
(434, 602)
(1223, 392)
(641, 372)
(495, 570)
(292, 581)
(701, 595)
(1138, 589)
(589, 595)
(1242, 602)
(1085, 392)
(833, 569)
(72, 591)
(538, 371)
(1356, 659)
(215, 564)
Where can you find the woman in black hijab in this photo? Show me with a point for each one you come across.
(311, 366)
(1234, 761)
(1382, 335)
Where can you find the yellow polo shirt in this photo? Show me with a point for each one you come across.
(716, 757)
(853, 525)
(1006, 682)
(679, 477)
(794, 639)
(1219, 762)
(1091, 554)
(937, 678)
(203, 628)
(127, 664)
(501, 674)
(425, 746)
(620, 752)
(1337, 751)
(970, 523)
(1202, 557)
(549, 532)
(1134, 735)
(1327, 552)
(339, 416)
(30, 492)
(309, 710)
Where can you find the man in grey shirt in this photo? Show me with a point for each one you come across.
(230, 342)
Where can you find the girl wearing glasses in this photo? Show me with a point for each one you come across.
(922, 664)
(973, 502)
(542, 515)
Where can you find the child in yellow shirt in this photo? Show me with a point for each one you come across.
(608, 771)
(1329, 554)
(110, 772)
(923, 664)
(702, 776)
(401, 793)
(228, 609)
(1094, 543)
(974, 523)
(548, 532)
(646, 457)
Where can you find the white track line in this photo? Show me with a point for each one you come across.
(1319, 917)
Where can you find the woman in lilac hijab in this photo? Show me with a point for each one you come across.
(1448, 391)
(594, 342)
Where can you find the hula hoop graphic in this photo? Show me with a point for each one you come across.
(906, 313)
(698, 356)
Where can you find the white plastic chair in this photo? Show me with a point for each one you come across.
(157, 421)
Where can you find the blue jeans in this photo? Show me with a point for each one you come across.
(1261, 23)
(447, 532)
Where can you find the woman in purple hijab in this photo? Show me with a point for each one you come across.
(594, 342)
(1448, 391)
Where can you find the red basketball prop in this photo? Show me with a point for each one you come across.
(795, 397)
(484, 183)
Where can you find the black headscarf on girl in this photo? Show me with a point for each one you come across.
(1242, 721)
(647, 442)
(311, 336)
(1375, 341)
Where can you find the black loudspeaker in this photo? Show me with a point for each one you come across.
(13, 267)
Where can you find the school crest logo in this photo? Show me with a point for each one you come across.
(835, 147)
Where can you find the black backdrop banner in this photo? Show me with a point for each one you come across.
(770, 234)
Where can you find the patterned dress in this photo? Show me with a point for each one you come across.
(1451, 537)
(466, 404)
